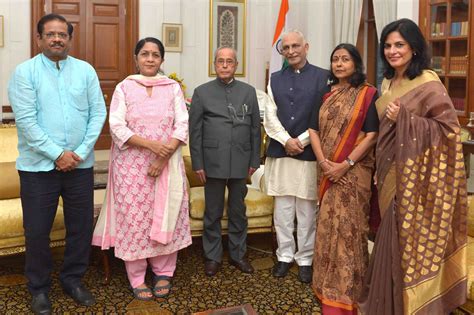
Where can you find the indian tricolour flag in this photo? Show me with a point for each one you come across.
(276, 60)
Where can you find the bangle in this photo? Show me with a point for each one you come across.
(323, 161)
(60, 156)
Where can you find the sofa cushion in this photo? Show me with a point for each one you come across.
(193, 179)
(258, 203)
(11, 216)
(8, 143)
(470, 216)
(10, 184)
(470, 268)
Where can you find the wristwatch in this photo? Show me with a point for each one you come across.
(351, 162)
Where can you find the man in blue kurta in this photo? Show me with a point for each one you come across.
(59, 112)
(290, 167)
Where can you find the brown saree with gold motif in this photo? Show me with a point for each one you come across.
(341, 256)
(419, 261)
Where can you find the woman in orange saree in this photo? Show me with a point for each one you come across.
(419, 261)
(343, 136)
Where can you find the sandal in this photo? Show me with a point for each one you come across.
(157, 288)
(137, 293)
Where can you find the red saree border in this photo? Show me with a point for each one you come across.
(349, 138)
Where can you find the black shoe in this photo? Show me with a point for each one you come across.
(243, 265)
(40, 304)
(211, 267)
(80, 295)
(281, 269)
(305, 274)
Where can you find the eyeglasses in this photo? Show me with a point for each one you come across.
(54, 35)
(229, 62)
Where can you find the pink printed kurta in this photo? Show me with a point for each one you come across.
(134, 197)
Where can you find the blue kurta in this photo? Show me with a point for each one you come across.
(55, 110)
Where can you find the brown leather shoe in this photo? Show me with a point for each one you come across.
(243, 265)
(211, 267)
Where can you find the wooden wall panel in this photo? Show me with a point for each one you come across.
(106, 38)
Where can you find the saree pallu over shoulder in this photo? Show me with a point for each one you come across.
(421, 246)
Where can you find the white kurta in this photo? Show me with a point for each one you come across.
(291, 177)
(287, 176)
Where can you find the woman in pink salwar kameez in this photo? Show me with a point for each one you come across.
(145, 213)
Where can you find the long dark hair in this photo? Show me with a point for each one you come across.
(153, 40)
(358, 77)
(412, 34)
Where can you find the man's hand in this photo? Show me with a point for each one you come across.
(293, 147)
(251, 171)
(202, 175)
(160, 149)
(68, 161)
(156, 167)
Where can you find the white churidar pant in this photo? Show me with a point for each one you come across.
(286, 207)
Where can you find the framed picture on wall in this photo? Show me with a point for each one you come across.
(1, 30)
(227, 20)
(173, 37)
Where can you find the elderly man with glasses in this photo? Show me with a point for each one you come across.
(224, 128)
(290, 167)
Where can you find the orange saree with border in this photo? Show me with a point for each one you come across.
(341, 255)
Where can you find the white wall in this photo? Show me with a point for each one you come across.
(17, 34)
(192, 63)
(152, 14)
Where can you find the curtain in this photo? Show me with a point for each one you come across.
(347, 15)
(385, 11)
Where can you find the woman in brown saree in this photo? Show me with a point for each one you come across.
(343, 135)
(419, 261)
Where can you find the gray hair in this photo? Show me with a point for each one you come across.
(225, 47)
(297, 32)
